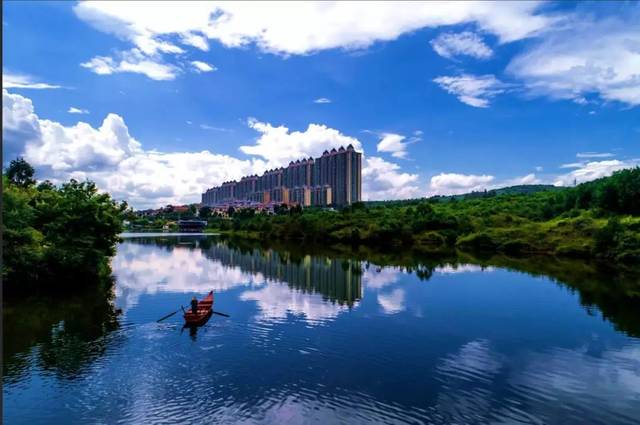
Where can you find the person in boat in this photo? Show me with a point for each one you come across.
(194, 305)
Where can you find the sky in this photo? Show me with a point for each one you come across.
(157, 102)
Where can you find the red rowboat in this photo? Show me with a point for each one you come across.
(205, 307)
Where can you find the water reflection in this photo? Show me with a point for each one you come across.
(317, 288)
(329, 336)
(60, 335)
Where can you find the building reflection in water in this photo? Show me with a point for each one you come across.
(337, 280)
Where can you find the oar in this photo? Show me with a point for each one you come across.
(169, 315)
(220, 314)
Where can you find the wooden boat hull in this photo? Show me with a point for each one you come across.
(205, 309)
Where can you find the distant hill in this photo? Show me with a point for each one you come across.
(526, 189)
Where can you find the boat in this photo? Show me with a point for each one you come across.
(205, 308)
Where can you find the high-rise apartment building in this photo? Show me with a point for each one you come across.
(335, 178)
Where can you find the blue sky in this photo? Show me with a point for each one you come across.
(158, 102)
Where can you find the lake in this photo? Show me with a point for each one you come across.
(327, 335)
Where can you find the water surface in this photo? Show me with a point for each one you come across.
(322, 337)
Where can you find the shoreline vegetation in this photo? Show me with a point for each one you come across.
(597, 220)
(56, 237)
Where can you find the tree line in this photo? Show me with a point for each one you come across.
(600, 218)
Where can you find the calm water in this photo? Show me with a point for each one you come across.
(326, 338)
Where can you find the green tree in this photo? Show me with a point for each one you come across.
(20, 173)
(57, 235)
(205, 211)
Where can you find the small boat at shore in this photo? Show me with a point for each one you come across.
(205, 308)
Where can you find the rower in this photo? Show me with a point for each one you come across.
(194, 305)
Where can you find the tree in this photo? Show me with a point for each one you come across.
(59, 235)
(20, 173)
(205, 211)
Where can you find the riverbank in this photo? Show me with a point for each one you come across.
(595, 220)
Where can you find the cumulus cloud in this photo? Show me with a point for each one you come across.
(589, 58)
(73, 110)
(467, 43)
(134, 61)
(593, 170)
(456, 184)
(301, 28)
(383, 180)
(453, 183)
(322, 100)
(278, 145)
(119, 164)
(395, 144)
(200, 66)
(474, 90)
(19, 81)
(292, 28)
(111, 157)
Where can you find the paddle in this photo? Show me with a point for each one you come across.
(168, 315)
(171, 314)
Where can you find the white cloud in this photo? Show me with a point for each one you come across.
(200, 66)
(517, 181)
(383, 180)
(112, 158)
(594, 155)
(539, 168)
(117, 162)
(300, 28)
(590, 57)
(381, 277)
(394, 144)
(19, 81)
(593, 170)
(456, 184)
(134, 61)
(474, 90)
(196, 41)
(73, 110)
(450, 45)
(279, 146)
(212, 128)
(392, 302)
(453, 183)
(322, 100)
(277, 300)
(573, 165)
(144, 270)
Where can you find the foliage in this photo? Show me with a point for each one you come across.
(20, 173)
(64, 232)
(595, 219)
